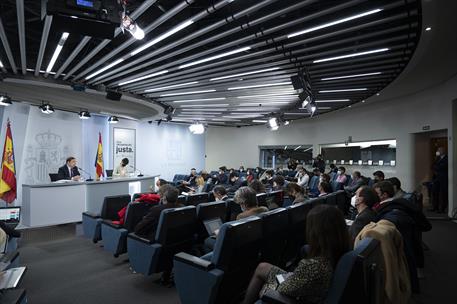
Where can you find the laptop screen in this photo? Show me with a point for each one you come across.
(212, 225)
(10, 214)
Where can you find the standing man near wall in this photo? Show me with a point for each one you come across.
(440, 181)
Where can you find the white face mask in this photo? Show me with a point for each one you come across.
(354, 201)
(438, 153)
(339, 172)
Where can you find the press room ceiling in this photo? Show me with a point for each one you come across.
(226, 62)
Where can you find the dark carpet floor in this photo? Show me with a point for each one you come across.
(68, 269)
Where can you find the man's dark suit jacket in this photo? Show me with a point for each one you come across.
(147, 227)
(65, 174)
(364, 218)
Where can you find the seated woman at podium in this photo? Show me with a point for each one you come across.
(121, 170)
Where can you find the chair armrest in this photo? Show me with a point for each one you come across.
(111, 224)
(8, 257)
(274, 297)
(91, 214)
(139, 238)
(194, 261)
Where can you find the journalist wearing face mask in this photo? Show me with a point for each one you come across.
(364, 198)
(246, 197)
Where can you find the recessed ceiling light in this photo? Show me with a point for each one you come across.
(143, 77)
(315, 28)
(260, 86)
(286, 94)
(205, 105)
(377, 94)
(342, 90)
(244, 74)
(363, 100)
(188, 93)
(351, 55)
(215, 57)
(57, 51)
(351, 76)
(263, 121)
(170, 87)
(162, 37)
(251, 104)
(105, 68)
(199, 100)
(428, 28)
(333, 100)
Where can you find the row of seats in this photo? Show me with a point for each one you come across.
(280, 233)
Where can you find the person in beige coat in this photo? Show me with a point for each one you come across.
(397, 283)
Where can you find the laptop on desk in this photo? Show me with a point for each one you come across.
(11, 216)
(212, 226)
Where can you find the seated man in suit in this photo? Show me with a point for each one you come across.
(357, 181)
(220, 194)
(363, 200)
(69, 170)
(148, 225)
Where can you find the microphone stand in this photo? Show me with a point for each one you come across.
(90, 176)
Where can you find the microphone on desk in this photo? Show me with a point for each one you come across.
(90, 176)
(139, 175)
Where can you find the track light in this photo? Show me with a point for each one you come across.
(197, 128)
(131, 26)
(5, 100)
(113, 120)
(84, 115)
(46, 108)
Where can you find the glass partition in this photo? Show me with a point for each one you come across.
(284, 156)
(367, 153)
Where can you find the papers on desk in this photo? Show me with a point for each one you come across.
(349, 222)
(63, 181)
(10, 278)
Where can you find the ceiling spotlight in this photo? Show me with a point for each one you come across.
(46, 108)
(84, 115)
(5, 100)
(129, 25)
(113, 120)
(286, 122)
(273, 124)
(428, 28)
(197, 128)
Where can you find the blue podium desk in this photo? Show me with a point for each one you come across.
(62, 203)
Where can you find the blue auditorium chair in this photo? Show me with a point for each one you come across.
(275, 231)
(178, 178)
(211, 197)
(13, 296)
(209, 211)
(358, 278)
(111, 206)
(262, 199)
(296, 231)
(343, 201)
(223, 275)
(115, 236)
(313, 186)
(195, 199)
(331, 199)
(233, 209)
(175, 233)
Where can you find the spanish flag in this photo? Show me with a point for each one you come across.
(8, 177)
(99, 159)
